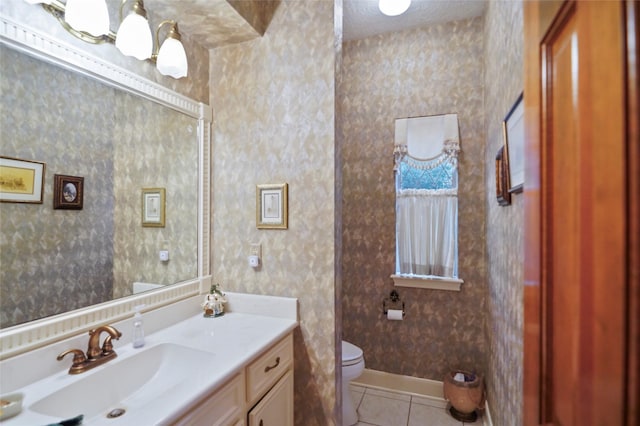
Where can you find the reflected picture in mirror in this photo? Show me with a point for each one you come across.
(21, 181)
(113, 143)
(68, 192)
(153, 207)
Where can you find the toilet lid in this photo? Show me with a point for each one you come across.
(350, 353)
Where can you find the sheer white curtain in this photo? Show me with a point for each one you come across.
(427, 232)
(426, 167)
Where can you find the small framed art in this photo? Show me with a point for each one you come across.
(68, 192)
(502, 191)
(21, 181)
(513, 133)
(153, 207)
(271, 206)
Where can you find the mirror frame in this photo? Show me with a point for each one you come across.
(28, 336)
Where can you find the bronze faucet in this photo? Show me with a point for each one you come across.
(95, 354)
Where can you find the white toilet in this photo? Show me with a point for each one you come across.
(352, 367)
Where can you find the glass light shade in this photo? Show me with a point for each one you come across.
(90, 16)
(38, 1)
(134, 37)
(172, 59)
(394, 7)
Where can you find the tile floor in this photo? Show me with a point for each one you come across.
(384, 408)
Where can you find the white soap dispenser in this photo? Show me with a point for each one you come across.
(138, 329)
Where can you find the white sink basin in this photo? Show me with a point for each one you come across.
(154, 374)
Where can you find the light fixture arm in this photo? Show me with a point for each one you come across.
(138, 7)
(57, 9)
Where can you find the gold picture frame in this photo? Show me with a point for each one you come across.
(153, 207)
(272, 206)
(513, 134)
(502, 185)
(21, 181)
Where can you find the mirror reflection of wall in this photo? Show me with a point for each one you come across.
(53, 261)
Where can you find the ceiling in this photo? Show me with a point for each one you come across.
(362, 18)
(214, 23)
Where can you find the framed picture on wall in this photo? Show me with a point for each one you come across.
(513, 133)
(21, 181)
(153, 207)
(68, 192)
(271, 206)
(502, 190)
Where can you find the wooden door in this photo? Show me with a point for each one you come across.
(579, 275)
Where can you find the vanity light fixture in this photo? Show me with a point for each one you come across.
(88, 20)
(134, 35)
(171, 59)
(393, 7)
(89, 16)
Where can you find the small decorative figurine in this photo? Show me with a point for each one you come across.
(213, 304)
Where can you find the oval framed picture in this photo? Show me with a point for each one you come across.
(68, 192)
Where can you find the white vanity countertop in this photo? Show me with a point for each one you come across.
(234, 340)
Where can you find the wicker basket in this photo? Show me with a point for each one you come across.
(465, 397)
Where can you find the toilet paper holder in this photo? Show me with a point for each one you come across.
(395, 302)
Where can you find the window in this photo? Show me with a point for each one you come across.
(426, 173)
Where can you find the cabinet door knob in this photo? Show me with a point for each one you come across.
(271, 367)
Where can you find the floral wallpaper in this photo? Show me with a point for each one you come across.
(274, 107)
(504, 80)
(433, 70)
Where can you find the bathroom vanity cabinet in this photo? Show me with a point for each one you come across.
(235, 370)
(261, 393)
(276, 408)
(223, 408)
(270, 386)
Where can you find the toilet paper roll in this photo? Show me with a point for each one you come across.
(394, 314)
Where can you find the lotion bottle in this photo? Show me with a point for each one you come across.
(138, 329)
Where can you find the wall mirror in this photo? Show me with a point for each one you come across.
(84, 117)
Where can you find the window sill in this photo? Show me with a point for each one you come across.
(427, 281)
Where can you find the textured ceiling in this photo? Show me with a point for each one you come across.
(210, 23)
(214, 23)
(362, 18)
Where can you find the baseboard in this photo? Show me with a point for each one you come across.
(399, 383)
(424, 388)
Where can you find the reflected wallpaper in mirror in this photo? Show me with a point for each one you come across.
(54, 261)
